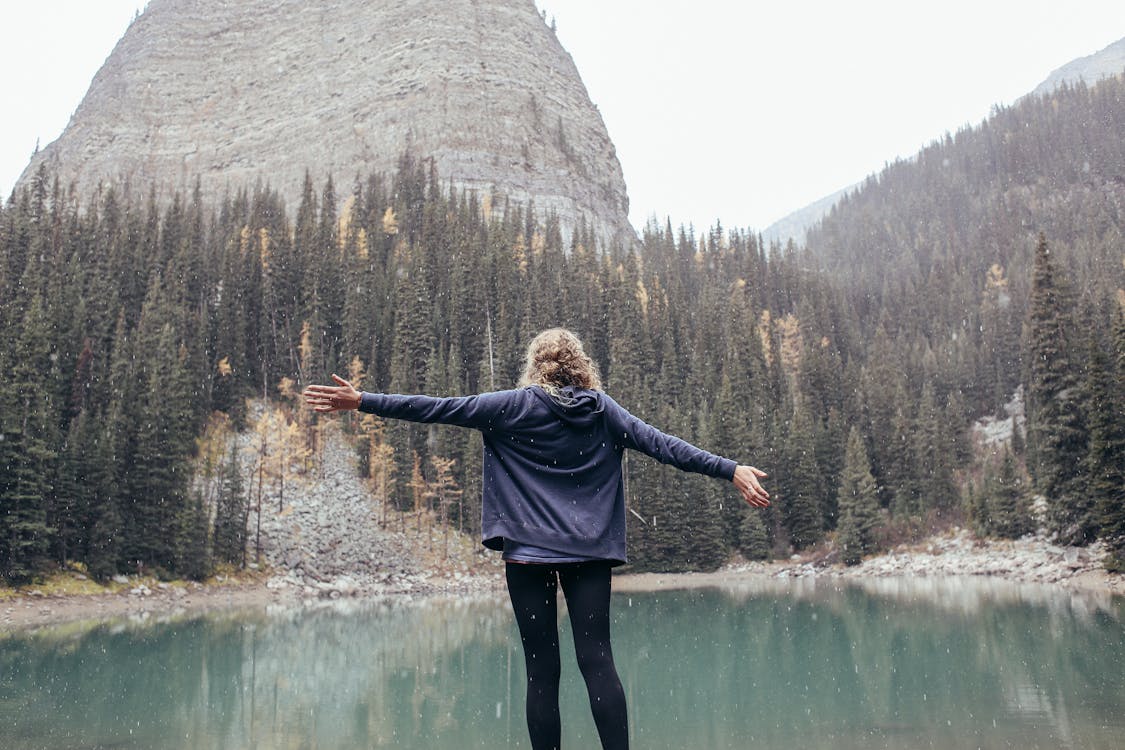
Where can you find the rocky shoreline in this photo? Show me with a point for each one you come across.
(1032, 559)
(948, 557)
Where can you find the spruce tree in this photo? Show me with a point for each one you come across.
(754, 537)
(732, 434)
(1057, 434)
(801, 484)
(933, 459)
(230, 512)
(884, 406)
(999, 337)
(706, 547)
(72, 490)
(1105, 459)
(103, 537)
(858, 503)
(849, 542)
(161, 469)
(192, 557)
(830, 451)
(1006, 502)
(26, 426)
(901, 470)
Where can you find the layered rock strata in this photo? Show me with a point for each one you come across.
(237, 92)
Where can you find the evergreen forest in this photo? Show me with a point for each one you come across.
(988, 269)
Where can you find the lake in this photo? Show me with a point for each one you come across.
(889, 663)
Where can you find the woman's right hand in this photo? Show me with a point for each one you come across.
(340, 397)
(746, 480)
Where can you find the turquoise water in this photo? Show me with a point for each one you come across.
(892, 664)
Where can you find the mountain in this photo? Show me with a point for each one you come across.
(233, 93)
(1053, 163)
(794, 226)
(1091, 69)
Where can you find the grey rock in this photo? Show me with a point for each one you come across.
(1090, 69)
(234, 92)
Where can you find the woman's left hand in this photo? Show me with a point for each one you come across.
(746, 480)
(326, 398)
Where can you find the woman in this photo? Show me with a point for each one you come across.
(554, 505)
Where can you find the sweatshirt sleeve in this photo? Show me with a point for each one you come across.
(479, 412)
(638, 435)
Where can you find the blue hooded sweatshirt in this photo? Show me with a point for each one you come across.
(552, 466)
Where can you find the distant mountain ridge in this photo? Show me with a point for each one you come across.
(261, 90)
(794, 226)
(1053, 164)
(1091, 68)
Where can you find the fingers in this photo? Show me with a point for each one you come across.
(341, 381)
(322, 398)
(751, 481)
(757, 500)
(322, 390)
(321, 404)
(746, 478)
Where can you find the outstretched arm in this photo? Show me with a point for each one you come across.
(638, 435)
(325, 398)
(483, 412)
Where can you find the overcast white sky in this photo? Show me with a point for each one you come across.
(738, 111)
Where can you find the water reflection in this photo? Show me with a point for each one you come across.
(810, 664)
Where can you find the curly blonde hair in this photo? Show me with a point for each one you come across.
(555, 359)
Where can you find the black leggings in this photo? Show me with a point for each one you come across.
(533, 590)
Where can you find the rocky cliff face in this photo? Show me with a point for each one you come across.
(237, 91)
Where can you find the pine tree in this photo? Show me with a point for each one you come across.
(999, 336)
(192, 558)
(884, 407)
(103, 536)
(230, 513)
(849, 541)
(73, 487)
(1105, 459)
(801, 485)
(413, 342)
(1057, 435)
(705, 545)
(445, 493)
(330, 291)
(830, 451)
(165, 438)
(1006, 502)
(932, 459)
(858, 502)
(732, 439)
(26, 421)
(754, 536)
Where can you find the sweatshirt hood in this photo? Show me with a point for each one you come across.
(572, 404)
